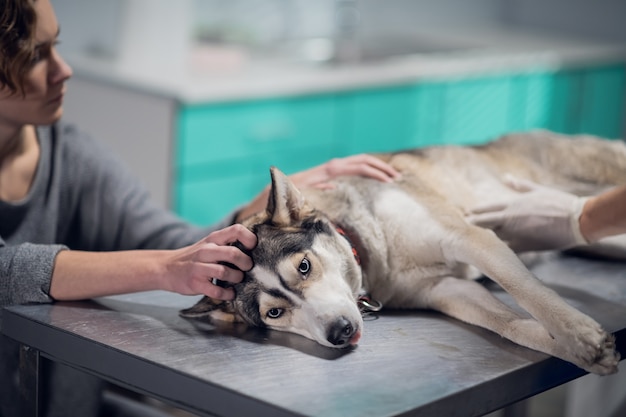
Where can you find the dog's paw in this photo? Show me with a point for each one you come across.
(593, 349)
(606, 359)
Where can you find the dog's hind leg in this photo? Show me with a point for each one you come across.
(580, 339)
(580, 164)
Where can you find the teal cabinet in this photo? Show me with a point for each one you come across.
(476, 110)
(468, 111)
(219, 132)
(224, 151)
(602, 107)
(376, 120)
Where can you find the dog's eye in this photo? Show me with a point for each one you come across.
(274, 313)
(305, 266)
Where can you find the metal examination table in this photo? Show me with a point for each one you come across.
(415, 363)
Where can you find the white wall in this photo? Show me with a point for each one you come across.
(601, 19)
(103, 27)
(91, 25)
(135, 126)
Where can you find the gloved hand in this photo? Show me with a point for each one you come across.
(538, 218)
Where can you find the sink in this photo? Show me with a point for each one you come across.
(384, 49)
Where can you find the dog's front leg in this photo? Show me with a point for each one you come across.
(579, 339)
(470, 302)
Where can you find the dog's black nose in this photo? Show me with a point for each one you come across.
(341, 332)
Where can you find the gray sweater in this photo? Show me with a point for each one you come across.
(81, 198)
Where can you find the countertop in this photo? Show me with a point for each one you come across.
(199, 77)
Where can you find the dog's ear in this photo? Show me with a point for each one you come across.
(213, 309)
(285, 204)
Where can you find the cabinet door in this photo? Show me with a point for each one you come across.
(224, 151)
(603, 95)
(209, 133)
(583, 100)
(475, 110)
(205, 193)
(532, 103)
(429, 114)
(206, 200)
(376, 120)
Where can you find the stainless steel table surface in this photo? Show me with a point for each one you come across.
(409, 363)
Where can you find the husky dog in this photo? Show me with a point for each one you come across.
(408, 244)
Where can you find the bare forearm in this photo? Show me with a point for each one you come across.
(604, 215)
(80, 275)
(189, 270)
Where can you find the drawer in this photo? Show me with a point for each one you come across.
(225, 131)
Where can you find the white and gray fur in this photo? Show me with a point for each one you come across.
(418, 251)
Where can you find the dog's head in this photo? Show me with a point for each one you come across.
(305, 278)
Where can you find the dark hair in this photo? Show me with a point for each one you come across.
(17, 42)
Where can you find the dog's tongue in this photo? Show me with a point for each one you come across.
(355, 339)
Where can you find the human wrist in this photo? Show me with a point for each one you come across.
(577, 220)
(164, 265)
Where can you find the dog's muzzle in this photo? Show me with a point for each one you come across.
(342, 332)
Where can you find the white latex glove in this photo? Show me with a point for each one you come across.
(538, 218)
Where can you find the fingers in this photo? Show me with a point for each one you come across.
(519, 184)
(225, 272)
(489, 208)
(229, 256)
(210, 289)
(209, 279)
(488, 220)
(232, 234)
(216, 260)
(376, 168)
(376, 173)
(364, 165)
(212, 268)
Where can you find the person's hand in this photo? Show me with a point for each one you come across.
(363, 164)
(193, 270)
(321, 176)
(538, 218)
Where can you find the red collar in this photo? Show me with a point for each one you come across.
(354, 251)
(366, 304)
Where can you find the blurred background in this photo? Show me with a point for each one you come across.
(96, 27)
(200, 97)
